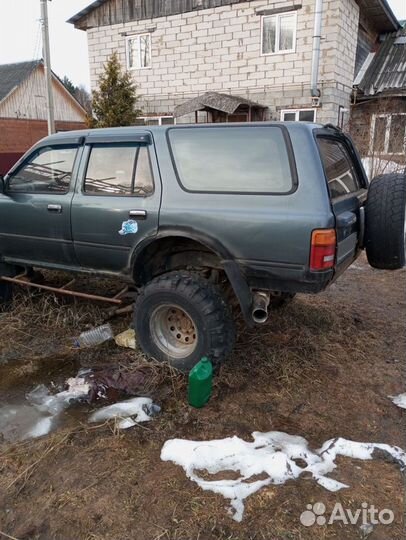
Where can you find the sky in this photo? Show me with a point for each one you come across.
(20, 37)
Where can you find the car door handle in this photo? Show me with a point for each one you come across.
(55, 208)
(137, 214)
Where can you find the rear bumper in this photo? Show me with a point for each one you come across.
(285, 277)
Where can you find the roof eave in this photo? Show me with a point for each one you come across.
(390, 15)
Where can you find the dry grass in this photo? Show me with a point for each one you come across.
(321, 367)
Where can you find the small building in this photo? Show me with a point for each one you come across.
(181, 52)
(378, 115)
(23, 109)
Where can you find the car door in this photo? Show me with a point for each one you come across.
(35, 222)
(117, 200)
(347, 194)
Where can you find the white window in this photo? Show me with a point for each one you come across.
(388, 134)
(278, 33)
(139, 51)
(156, 120)
(298, 115)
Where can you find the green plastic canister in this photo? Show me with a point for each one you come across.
(200, 383)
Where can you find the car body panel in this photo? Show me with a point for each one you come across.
(266, 237)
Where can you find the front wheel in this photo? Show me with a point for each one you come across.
(180, 317)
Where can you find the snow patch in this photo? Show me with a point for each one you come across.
(399, 400)
(273, 453)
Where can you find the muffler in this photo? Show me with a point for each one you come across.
(260, 303)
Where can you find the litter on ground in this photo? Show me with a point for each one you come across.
(399, 400)
(141, 408)
(126, 339)
(274, 454)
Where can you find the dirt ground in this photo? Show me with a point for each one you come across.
(322, 367)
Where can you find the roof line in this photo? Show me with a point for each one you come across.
(85, 11)
(35, 64)
(389, 13)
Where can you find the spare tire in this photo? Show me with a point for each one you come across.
(385, 227)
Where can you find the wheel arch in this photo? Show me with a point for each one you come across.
(174, 248)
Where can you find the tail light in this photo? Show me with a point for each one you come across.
(323, 249)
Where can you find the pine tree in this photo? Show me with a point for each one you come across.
(114, 103)
(68, 84)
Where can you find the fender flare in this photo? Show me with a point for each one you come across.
(232, 269)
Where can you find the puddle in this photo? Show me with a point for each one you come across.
(37, 396)
(21, 419)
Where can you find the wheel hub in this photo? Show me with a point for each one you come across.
(173, 331)
(181, 326)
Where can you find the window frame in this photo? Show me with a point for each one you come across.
(388, 117)
(9, 177)
(138, 37)
(277, 33)
(354, 169)
(159, 118)
(297, 112)
(90, 146)
(289, 150)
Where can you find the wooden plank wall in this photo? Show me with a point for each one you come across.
(119, 11)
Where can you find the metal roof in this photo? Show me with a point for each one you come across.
(387, 71)
(214, 100)
(12, 75)
(378, 11)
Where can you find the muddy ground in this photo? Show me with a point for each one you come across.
(321, 367)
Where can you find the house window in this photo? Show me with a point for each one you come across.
(156, 120)
(139, 51)
(298, 115)
(278, 33)
(388, 134)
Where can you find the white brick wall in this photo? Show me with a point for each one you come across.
(219, 50)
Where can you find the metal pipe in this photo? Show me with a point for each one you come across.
(260, 303)
(47, 64)
(60, 290)
(314, 89)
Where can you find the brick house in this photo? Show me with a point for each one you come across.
(262, 51)
(23, 109)
(378, 112)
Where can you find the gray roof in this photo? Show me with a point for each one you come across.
(12, 75)
(387, 72)
(378, 11)
(214, 100)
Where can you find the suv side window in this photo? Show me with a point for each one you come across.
(232, 159)
(340, 173)
(49, 171)
(119, 169)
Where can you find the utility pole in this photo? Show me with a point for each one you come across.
(47, 62)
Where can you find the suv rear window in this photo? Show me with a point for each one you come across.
(340, 173)
(232, 160)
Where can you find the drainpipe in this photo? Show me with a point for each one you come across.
(314, 90)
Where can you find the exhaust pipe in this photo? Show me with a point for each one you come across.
(260, 303)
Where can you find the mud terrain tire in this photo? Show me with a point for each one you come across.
(385, 221)
(180, 317)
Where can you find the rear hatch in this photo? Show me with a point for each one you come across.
(347, 184)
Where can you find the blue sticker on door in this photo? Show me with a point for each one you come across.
(128, 227)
